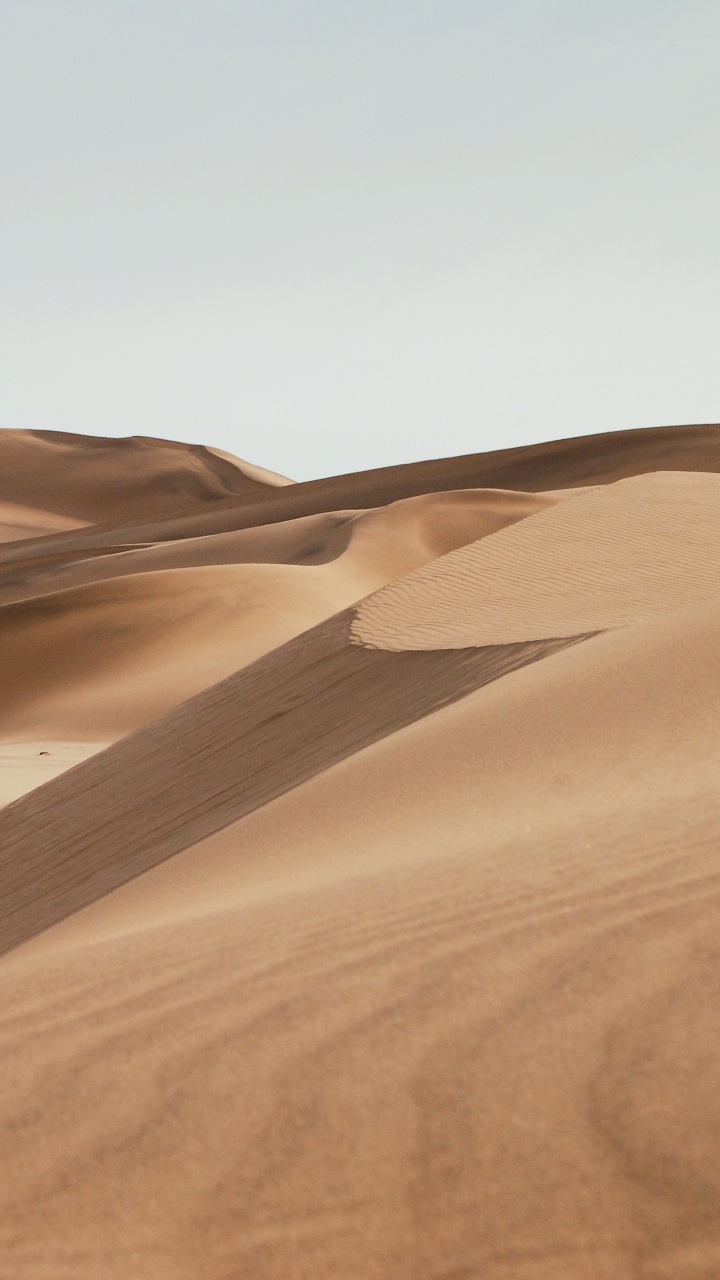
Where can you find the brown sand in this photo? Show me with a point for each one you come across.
(419, 982)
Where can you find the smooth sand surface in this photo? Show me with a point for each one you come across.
(18, 522)
(394, 954)
(26, 765)
(558, 466)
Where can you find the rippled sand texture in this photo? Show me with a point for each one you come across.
(360, 864)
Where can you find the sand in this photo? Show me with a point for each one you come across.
(391, 949)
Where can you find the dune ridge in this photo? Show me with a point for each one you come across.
(558, 465)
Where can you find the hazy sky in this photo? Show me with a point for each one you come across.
(334, 234)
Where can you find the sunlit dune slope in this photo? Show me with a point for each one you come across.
(218, 756)
(538, 750)
(314, 701)
(392, 539)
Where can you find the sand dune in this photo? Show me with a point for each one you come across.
(559, 465)
(388, 947)
(96, 648)
(477, 1053)
(402, 536)
(88, 479)
(218, 756)
(541, 745)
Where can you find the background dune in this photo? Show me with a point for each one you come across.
(86, 479)
(562, 464)
(388, 947)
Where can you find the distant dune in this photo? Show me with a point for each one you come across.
(359, 864)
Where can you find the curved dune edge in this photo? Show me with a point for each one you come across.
(259, 474)
(535, 751)
(404, 534)
(18, 522)
(607, 558)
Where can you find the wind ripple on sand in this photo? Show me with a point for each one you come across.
(607, 558)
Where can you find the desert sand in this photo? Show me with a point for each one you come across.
(359, 861)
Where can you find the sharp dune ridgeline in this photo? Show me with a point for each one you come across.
(360, 864)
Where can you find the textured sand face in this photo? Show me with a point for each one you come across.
(607, 558)
(420, 975)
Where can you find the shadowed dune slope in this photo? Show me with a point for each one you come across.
(475, 1045)
(95, 649)
(218, 756)
(88, 479)
(604, 559)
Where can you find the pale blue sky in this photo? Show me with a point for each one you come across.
(334, 235)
